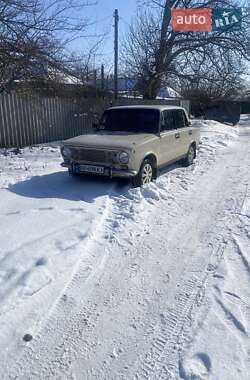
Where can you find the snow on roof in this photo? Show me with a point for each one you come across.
(153, 106)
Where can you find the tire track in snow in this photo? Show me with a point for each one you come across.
(166, 336)
(231, 311)
(242, 253)
(160, 362)
(54, 326)
(232, 319)
(168, 366)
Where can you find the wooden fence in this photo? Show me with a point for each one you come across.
(33, 119)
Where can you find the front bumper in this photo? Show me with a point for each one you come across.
(109, 172)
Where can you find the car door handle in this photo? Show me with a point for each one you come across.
(177, 135)
(190, 132)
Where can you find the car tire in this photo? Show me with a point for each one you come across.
(145, 175)
(191, 154)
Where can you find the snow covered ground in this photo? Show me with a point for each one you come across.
(120, 283)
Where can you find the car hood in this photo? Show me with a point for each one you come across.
(109, 140)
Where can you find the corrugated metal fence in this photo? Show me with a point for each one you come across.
(33, 119)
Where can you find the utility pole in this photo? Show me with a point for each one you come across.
(102, 78)
(95, 82)
(116, 17)
(95, 78)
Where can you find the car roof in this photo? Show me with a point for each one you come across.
(153, 106)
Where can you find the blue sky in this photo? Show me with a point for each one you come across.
(102, 16)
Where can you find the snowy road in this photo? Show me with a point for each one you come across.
(120, 283)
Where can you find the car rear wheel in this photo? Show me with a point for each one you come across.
(145, 175)
(189, 159)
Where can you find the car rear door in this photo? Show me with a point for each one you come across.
(168, 138)
(188, 133)
(182, 132)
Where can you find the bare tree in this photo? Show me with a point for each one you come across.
(82, 65)
(153, 53)
(211, 77)
(34, 33)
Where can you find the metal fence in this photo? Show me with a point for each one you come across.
(33, 119)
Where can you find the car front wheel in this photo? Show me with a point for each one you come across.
(145, 175)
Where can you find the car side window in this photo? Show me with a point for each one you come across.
(178, 119)
(173, 119)
(186, 123)
(168, 121)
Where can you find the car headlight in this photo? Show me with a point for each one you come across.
(123, 157)
(66, 152)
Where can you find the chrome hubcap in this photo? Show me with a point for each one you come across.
(147, 174)
(191, 155)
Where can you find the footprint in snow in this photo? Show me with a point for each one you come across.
(13, 213)
(42, 261)
(198, 367)
(45, 208)
(34, 280)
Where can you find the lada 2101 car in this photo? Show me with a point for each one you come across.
(133, 142)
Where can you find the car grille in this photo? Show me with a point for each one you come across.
(90, 155)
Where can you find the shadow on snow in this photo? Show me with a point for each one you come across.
(83, 188)
(61, 186)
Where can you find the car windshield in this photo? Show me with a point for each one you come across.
(140, 120)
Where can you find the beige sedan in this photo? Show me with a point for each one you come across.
(133, 142)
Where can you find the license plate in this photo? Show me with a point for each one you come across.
(89, 169)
